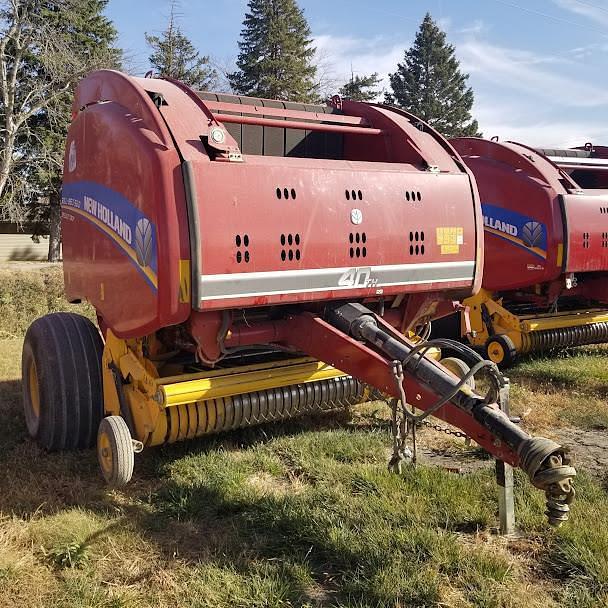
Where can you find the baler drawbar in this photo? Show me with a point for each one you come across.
(252, 260)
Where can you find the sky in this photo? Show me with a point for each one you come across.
(538, 68)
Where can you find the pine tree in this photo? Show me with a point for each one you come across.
(276, 53)
(430, 85)
(361, 88)
(174, 56)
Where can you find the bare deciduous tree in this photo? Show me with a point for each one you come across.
(46, 46)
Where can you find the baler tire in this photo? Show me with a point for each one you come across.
(115, 451)
(501, 350)
(62, 381)
(459, 368)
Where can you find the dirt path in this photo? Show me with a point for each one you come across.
(590, 449)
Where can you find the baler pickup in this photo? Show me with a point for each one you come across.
(251, 260)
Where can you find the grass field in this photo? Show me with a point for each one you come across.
(299, 514)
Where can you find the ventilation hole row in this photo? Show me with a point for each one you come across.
(358, 252)
(242, 256)
(356, 237)
(604, 210)
(290, 239)
(417, 250)
(286, 193)
(413, 195)
(290, 254)
(416, 236)
(353, 194)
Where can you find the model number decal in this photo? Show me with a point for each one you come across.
(358, 277)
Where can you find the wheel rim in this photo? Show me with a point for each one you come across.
(496, 352)
(34, 389)
(104, 451)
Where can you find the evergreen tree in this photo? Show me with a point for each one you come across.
(430, 85)
(276, 53)
(361, 88)
(174, 56)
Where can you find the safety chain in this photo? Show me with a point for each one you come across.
(405, 422)
(441, 429)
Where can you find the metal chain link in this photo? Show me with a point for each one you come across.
(441, 429)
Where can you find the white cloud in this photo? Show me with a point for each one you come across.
(547, 134)
(595, 13)
(477, 27)
(520, 95)
(340, 55)
(524, 72)
(444, 23)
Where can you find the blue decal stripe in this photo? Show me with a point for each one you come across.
(515, 241)
(127, 227)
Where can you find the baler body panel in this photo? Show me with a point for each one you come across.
(259, 247)
(538, 223)
(586, 219)
(156, 223)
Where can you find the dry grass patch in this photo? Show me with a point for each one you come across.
(26, 294)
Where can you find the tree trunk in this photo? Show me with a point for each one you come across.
(54, 228)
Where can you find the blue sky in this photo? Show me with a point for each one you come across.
(539, 68)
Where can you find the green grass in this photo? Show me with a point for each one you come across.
(299, 514)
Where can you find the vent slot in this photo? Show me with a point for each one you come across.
(290, 244)
(416, 242)
(586, 240)
(353, 195)
(286, 193)
(242, 248)
(357, 245)
(413, 196)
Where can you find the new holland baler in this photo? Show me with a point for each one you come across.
(545, 279)
(250, 260)
(586, 165)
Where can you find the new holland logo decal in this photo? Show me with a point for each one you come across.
(516, 228)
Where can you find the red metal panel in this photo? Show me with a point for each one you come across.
(516, 187)
(126, 167)
(587, 232)
(314, 230)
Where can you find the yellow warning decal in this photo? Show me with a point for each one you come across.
(450, 238)
(184, 281)
(560, 254)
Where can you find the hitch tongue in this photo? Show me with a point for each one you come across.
(546, 463)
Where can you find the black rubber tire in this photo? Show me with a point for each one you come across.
(509, 352)
(120, 470)
(459, 368)
(66, 350)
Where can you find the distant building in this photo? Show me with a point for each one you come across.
(16, 244)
